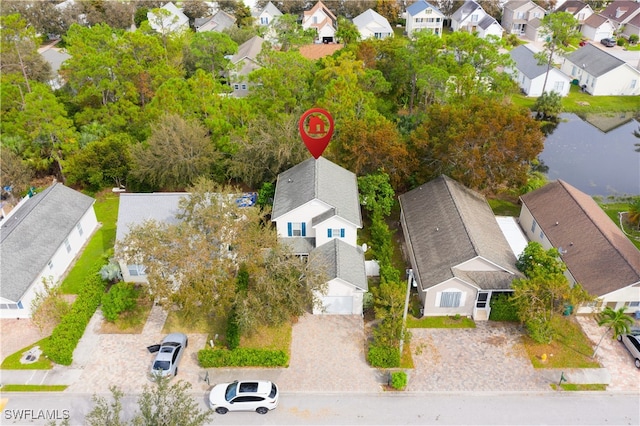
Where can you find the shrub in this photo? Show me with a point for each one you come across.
(122, 297)
(242, 357)
(60, 345)
(633, 38)
(502, 309)
(398, 380)
(233, 331)
(620, 41)
(383, 356)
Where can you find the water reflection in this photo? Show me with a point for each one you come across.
(592, 160)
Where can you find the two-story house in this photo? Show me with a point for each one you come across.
(320, 18)
(423, 16)
(580, 10)
(244, 62)
(522, 18)
(621, 13)
(265, 16)
(471, 17)
(317, 213)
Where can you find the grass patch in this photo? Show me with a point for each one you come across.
(406, 358)
(33, 388)
(106, 208)
(176, 323)
(504, 208)
(570, 349)
(612, 210)
(12, 362)
(131, 322)
(579, 387)
(440, 322)
(579, 102)
(272, 338)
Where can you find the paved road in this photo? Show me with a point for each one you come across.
(522, 408)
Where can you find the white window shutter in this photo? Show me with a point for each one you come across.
(438, 294)
(463, 297)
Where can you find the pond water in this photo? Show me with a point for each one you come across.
(596, 162)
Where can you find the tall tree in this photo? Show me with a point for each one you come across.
(210, 51)
(376, 193)
(178, 152)
(19, 51)
(560, 31)
(14, 173)
(483, 143)
(616, 320)
(347, 31)
(390, 9)
(290, 34)
(193, 263)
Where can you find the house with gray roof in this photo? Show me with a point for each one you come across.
(458, 253)
(136, 208)
(346, 277)
(596, 27)
(472, 18)
(597, 254)
(219, 22)
(266, 15)
(522, 18)
(39, 240)
(371, 24)
(530, 75)
(600, 73)
(315, 203)
(244, 62)
(173, 19)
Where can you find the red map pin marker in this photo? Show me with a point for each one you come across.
(316, 129)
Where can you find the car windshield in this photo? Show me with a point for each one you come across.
(231, 391)
(274, 390)
(161, 365)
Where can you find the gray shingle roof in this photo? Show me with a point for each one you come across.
(487, 21)
(136, 208)
(596, 61)
(31, 236)
(598, 255)
(270, 8)
(322, 180)
(342, 260)
(526, 62)
(448, 224)
(467, 8)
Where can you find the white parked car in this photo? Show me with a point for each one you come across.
(249, 395)
(632, 343)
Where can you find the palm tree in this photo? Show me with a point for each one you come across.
(615, 320)
(634, 212)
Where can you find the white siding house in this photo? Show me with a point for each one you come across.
(174, 21)
(597, 254)
(371, 24)
(317, 213)
(597, 27)
(600, 73)
(39, 240)
(422, 16)
(320, 18)
(530, 76)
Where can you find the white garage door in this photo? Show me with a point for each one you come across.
(342, 305)
(599, 36)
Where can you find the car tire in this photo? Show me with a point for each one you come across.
(262, 410)
(619, 337)
(221, 410)
(637, 363)
(175, 373)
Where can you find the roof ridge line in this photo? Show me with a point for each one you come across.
(562, 183)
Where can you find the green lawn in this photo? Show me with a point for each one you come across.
(580, 387)
(440, 322)
(12, 362)
(612, 210)
(582, 103)
(98, 247)
(33, 388)
(569, 349)
(504, 208)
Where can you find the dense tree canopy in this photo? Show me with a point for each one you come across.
(482, 143)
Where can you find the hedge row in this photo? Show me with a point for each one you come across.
(60, 345)
(383, 356)
(242, 357)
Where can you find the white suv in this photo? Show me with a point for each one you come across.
(251, 395)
